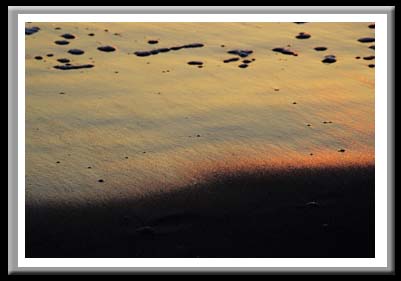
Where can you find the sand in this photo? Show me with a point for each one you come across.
(157, 124)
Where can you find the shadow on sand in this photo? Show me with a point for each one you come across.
(309, 212)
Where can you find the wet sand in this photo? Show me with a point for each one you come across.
(200, 139)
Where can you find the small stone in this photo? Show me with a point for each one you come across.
(100, 180)
(303, 35)
(341, 150)
(76, 52)
(145, 230)
(366, 39)
(68, 36)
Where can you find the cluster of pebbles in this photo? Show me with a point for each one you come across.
(66, 65)
(241, 54)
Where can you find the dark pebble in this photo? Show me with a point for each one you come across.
(61, 93)
(89, 167)
(58, 162)
(358, 57)
(369, 58)
(154, 52)
(153, 42)
(246, 61)
(31, 30)
(38, 57)
(320, 48)
(284, 51)
(70, 67)
(57, 28)
(312, 204)
(371, 65)
(76, 52)
(106, 49)
(329, 59)
(294, 102)
(299, 22)
(100, 180)
(145, 230)
(176, 48)
(142, 53)
(372, 47)
(366, 40)
(241, 53)
(244, 65)
(62, 42)
(198, 136)
(303, 35)
(195, 63)
(91, 34)
(372, 26)
(49, 55)
(163, 50)
(341, 150)
(63, 60)
(68, 36)
(193, 45)
(230, 60)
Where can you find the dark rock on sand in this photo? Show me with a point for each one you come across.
(371, 65)
(153, 42)
(193, 45)
(358, 57)
(303, 35)
(176, 48)
(299, 22)
(372, 47)
(341, 150)
(49, 55)
(246, 61)
(230, 60)
(70, 67)
(68, 36)
(63, 60)
(38, 57)
(241, 53)
(244, 65)
(284, 51)
(142, 53)
(329, 59)
(320, 48)
(369, 58)
(163, 50)
(195, 63)
(91, 34)
(145, 230)
(312, 204)
(31, 30)
(154, 52)
(106, 49)
(372, 26)
(61, 42)
(366, 39)
(76, 52)
(100, 180)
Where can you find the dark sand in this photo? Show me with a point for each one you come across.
(308, 212)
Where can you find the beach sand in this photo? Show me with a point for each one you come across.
(180, 154)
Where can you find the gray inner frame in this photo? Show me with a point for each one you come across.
(13, 12)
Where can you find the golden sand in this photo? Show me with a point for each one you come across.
(176, 122)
